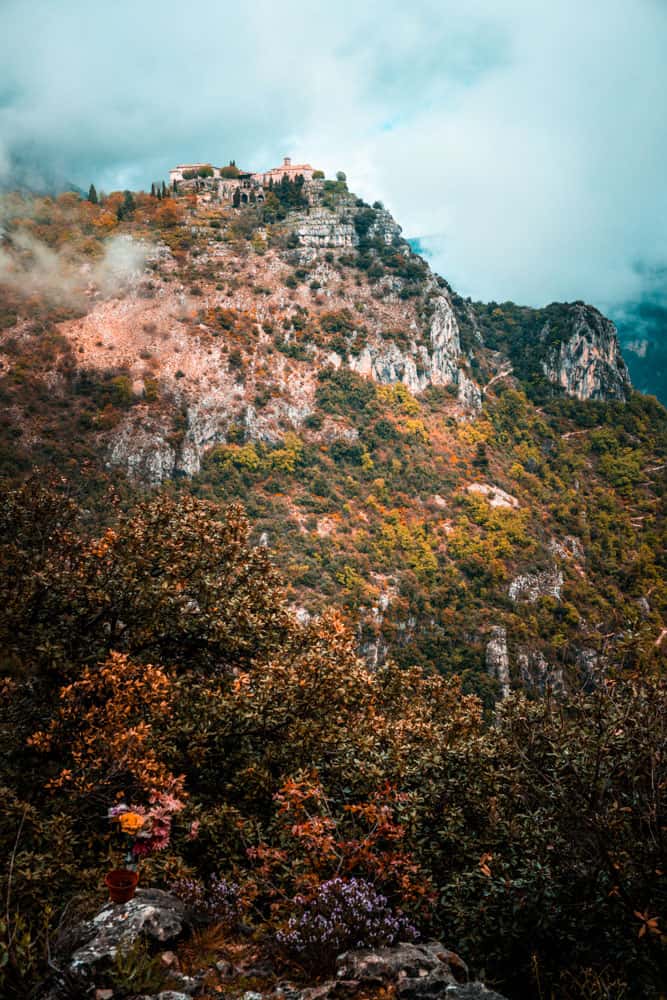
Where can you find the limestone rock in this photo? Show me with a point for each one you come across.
(497, 659)
(419, 366)
(494, 494)
(531, 586)
(415, 971)
(469, 394)
(470, 991)
(322, 228)
(588, 364)
(152, 913)
(567, 547)
(445, 342)
(538, 674)
(167, 995)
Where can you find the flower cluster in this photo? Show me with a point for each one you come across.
(343, 914)
(217, 901)
(149, 828)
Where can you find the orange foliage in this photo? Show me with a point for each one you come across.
(105, 721)
(364, 839)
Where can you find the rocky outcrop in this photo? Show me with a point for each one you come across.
(410, 971)
(469, 395)
(537, 674)
(424, 971)
(421, 366)
(152, 914)
(445, 342)
(498, 660)
(531, 586)
(568, 547)
(323, 228)
(495, 496)
(588, 363)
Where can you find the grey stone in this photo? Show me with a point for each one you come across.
(152, 913)
(404, 961)
(588, 364)
(497, 658)
(470, 991)
(531, 586)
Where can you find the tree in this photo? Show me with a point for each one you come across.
(126, 208)
(175, 582)
(92, 195)
(341, 177)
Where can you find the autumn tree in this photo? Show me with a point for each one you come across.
(177, 581)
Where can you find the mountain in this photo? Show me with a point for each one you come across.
(476, 484)
(642, 328)
(332, 600)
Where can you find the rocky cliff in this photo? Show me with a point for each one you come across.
(587, 363)
(417, 454)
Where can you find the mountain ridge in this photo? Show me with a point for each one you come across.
(421, 453)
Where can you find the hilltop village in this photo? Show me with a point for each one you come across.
(231, 184)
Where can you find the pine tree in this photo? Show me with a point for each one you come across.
(165, 189)
(92, 195)
(129, 203)
(153, 191)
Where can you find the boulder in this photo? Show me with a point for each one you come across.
(426, 971)
(152, 913)
(390, 964)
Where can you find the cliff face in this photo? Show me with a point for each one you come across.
(588, 363)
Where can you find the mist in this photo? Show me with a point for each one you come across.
(29, 267)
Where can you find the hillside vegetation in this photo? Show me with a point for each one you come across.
(322, 560)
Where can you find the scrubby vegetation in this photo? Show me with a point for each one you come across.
(149, 653)
(159, 656)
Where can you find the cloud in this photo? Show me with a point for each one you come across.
(30, 267)
(522, 141)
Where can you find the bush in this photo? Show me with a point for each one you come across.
(215, 901)
(341, 914)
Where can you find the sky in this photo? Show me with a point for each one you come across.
(523, 142)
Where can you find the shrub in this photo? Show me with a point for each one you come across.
(341, 914)
(215, 901)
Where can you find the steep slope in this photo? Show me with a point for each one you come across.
(414, 456)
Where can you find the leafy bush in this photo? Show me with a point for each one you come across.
(215, 901)
(341, 914)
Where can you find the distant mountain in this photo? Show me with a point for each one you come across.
(30, 175)
(642, 329)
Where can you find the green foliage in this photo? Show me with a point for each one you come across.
(151, 586)
(135, 970)
(530, 844)
(289, 194)
(230, 171)
(342, 391)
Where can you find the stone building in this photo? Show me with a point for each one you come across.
(287, 169)
(246, 188)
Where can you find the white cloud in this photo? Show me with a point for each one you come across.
(523, 140)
